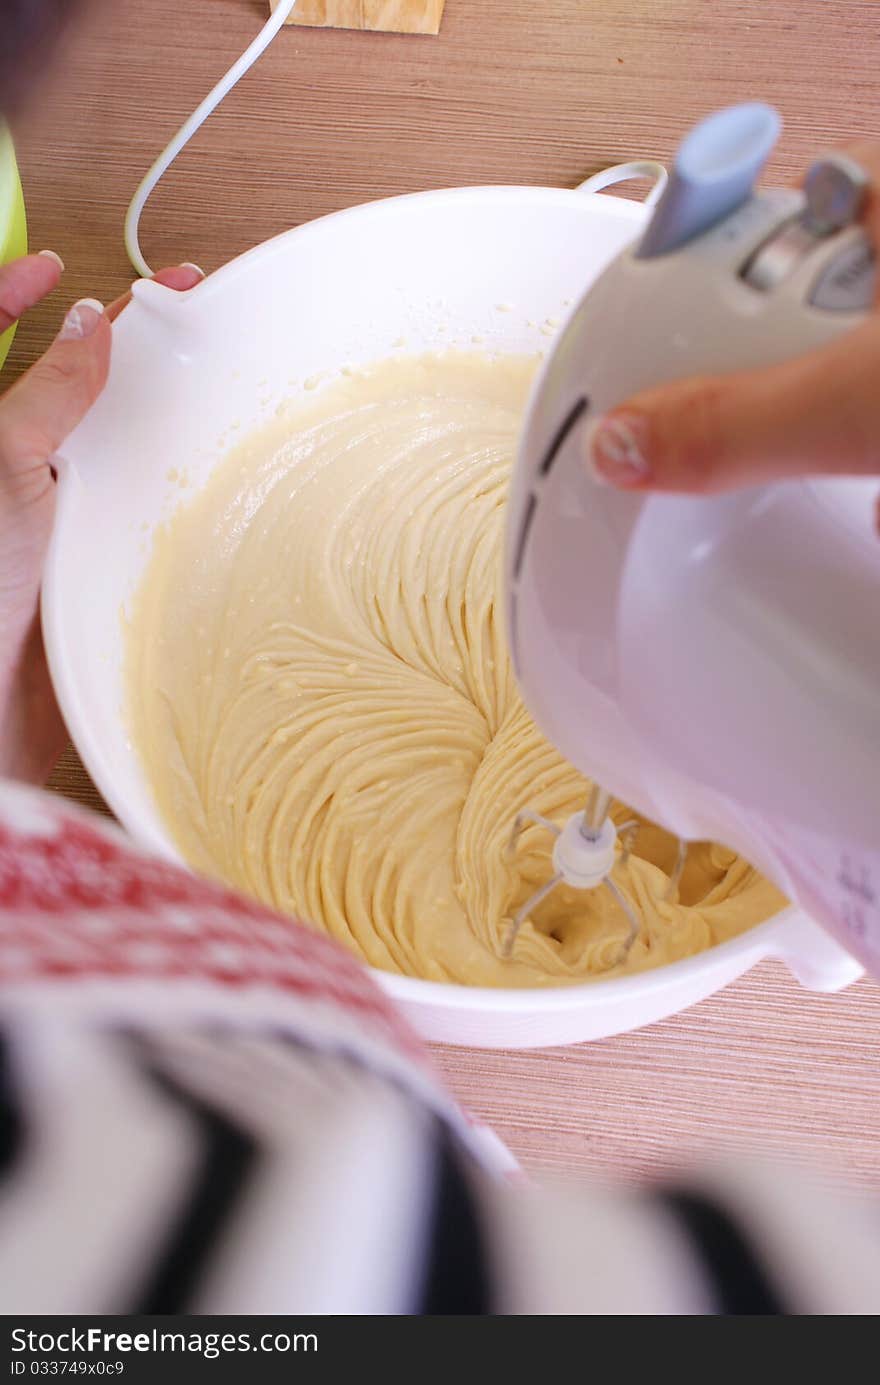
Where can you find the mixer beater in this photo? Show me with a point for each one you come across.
(585, 852)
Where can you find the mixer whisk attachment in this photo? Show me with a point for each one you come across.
(677, 870)
(584, 854)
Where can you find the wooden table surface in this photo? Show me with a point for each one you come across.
(516, 91)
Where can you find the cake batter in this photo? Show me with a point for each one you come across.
(327, 715)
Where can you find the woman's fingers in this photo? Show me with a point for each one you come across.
(50, 399)
(180, 277)
(819, 413)
(24, 282)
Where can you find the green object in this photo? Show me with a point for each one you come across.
(13, 227)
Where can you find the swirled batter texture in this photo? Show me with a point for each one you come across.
(326, 710)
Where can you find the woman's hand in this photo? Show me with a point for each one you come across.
(36, 415)
(819, 413)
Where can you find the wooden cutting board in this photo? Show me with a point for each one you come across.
(390, 16)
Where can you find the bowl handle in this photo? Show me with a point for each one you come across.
(623, 173)
(812, 956)
(161, 314)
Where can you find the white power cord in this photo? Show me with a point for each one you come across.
(187, 130)
(607, 177)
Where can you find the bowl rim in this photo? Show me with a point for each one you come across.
(617, 208)
(454, 995)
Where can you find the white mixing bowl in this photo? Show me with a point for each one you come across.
(192, 372)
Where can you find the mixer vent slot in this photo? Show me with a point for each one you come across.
(562, 432)
(514, 633)
(577, 410)
(531, 506)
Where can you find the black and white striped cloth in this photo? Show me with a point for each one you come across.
(178, 1136)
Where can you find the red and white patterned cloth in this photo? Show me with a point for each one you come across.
(79, 901)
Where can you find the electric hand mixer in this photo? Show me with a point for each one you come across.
(714, 662)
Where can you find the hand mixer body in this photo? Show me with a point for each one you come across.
(715, 662)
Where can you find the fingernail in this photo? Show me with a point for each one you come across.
(616, 448)
(188, 264)
(53, 255)
(81, 320)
